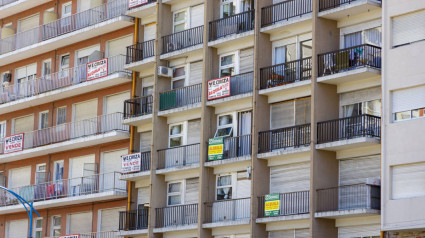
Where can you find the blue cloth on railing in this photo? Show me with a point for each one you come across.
(27, 193)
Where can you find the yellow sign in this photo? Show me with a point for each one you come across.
(215, 149)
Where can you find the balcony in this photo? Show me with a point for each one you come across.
(235, 149)
(69, 136)
(180, 99)
(181, 217)
(11, 7)
(349, 200)
(227, 213)
(353, 64)
(65, 192)
(75, 28)
(142, 10)
(178, 158)
(349, 132)
(284, 14)
(340, 9)
(295, 205)
(140, 56)
(240, 90)
(231, 28)
(100, 234)
(144, 171)
(283, 141)
(138, 111)
(134, 222)
(182, 43)
(60, 85)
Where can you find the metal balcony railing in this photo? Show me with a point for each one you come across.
(241, 83)
(348, 59)
(64, 26)
(65, 188)
(348, 128)
(73, 130)
(134, 220)
(285, 73)
(183, 39)
(235, 24)
(349, 197)
(143, 4)
(228, 210)
(55, 81)
(330, 4)
(180, 97)
(101, 234)
(5, 2)
(140, 51)
(178, 156)
(136, 107)
(237, 146)
(294, 203)
(284, 11)
(289, 137)
(176, 215)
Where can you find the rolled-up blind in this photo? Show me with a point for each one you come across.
(408, 99)
(407, 181)
(80, 223)
(359, 231)
(17, 228)
(23, 124)
(408, 28)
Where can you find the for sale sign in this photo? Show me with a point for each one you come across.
(218, 88)
(13, 143)
(131, 163)
(70, 236)
(135, 3)
(272, 205)
(97, 69)
(215, 148)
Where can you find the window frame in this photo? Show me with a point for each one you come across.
(53, 227)
(232, 185)
(40, 229)
(182, 133)
(3, 124)
(180, 193)
(63, 7)
(40, 117)
(232, 125)
(234, 65)
(43, 67)
(185, 21)
(184, 77)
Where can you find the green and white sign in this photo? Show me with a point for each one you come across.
(215, 148)
(272, 205)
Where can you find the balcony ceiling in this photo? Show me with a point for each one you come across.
(19, 6)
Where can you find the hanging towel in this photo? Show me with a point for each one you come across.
(27, 193)
(50, 191)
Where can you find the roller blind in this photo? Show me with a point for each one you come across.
(355, 171)
(359, 231)
(192, 189)
(23, 124)
(408, 28)
(20, 177)
(77, 165)
(408, 99)
(29, 23)
(246, 60)
(290, 178)
(143, 195)
(194, 132)
(145, 141)
(17, 228)
(243, 185)
(197, 16)
(26, 71)
(80, 223)
(87, 51)
(195, 75)
(149, 32)
(295, 233)
(408, 181)
(85, 110)
(111, 161)
(115, 103)
(110, 219)
(282, 115)
(119, 46)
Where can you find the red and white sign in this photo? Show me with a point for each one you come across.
(219, 88)
(14, 143)
(70, 236)
(135, 3)
(131, 163)
(97, 69)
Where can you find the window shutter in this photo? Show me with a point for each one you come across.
(197, 16)
(408, 99)
(17, 228)
(194, 132)
(80, 223)
(20, 177)
(143, 194)
(24, 124)
(282, 115)
(356, 171)
(149, 32)
(246, 60)
(195, 75)
(359, 231)
(110, 219)
(145, 141)
(408, 28)
(408, 181)
(290, 178)
(29, 23)
(192, 189)
(115, 103)
(85, 110)
(119, 46)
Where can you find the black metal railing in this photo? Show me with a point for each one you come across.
(146, 161)
(139, 5)
(241, 83)
(180, 97)
(234, 24)
(285, 73)
(136, 107)
(348, 197)
(176, 215)
(349, 127)
(228, 210)
(349, 58)
(282, 138)
(294, 203)
(237, 146)
(330, 4)
(284, 11)
(183, 39)
(134, 220)
(178, 156)
(140, 51)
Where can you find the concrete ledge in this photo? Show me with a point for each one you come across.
(282, 218)
(142, 11)
(284, 87)
(227, 99)
(230, 38)
(347, 213)
(140, 65)
(180, 109)
(176, 228)
(226, 161)
(226, 223)
(349, 143)
(133, 232)
(19, 6)
(182, 52)
(177, 168)
(284, 23)
(350, 75)
(137, 121)
(283, 152)
(135, 176)
(353, 8)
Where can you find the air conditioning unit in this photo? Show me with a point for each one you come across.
(7, 77)
(165, 71)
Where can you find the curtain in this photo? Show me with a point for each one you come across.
(353, 39)
(279, 55)
(373, 36)
(372, 107)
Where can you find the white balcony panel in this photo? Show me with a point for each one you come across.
(16, 6)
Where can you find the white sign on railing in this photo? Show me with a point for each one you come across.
(14, 143)
(135, 3)
(218, 88)
(97, 69)
(131, 163)
(70, 236)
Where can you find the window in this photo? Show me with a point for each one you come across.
(290, 113)
(371, 36)
(408, 28)
(64, 63)
(47, 67)
(40, 173)
(38, 228)
(61, 116)
(66, 9)
(2, 179)
(408, 103)
(408, 181)
(23, 75)
(2, 129)
(306, 49)
(44, 120)
(179, 77)
(174, 193)
(58, 170)
(285, 53)
(147, 91)
(56, 226)
(224, 126)
(227, 8)
(371, 107)
(179, 22)
(228, 65)
(224, 187)
(176, 135)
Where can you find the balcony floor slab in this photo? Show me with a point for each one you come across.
(66, 201)
(54, 95)
(138, 121)
(349, 144)
(292, 22)
(181, 110)
(288, 91)
(19, 6)
(283, 152)
(282, 218)
(347, 213)
(133, 233)
(136, 176)
(177, 169)
(186, 52)
(176, 228)
(350, 75)
(142, 11)
(218, 102)
(141, 65)
(351, 9)
(226, 223)
(222, 162)
(227, 40)
(66, 145)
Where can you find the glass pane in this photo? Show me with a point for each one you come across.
(353, 39)
(179, 27)
(67, 9)
(373, 36)
(418, 113)
(176, 130)
(176, 141)
(177, 72)
(228, 9)
(279, 55)
(174, 187)
(227, 60)
(224, 180)
(227, 72)
(65, 61)
(46, 68)
(38, 223)
(351, 110)
(224, 193)
(291, 52)
(306, 49)
(56, 221)
(225, 120)
(178, 84)
(174, 200)
(180, 16)
(56, 232)
(402, 115)
(224, 132)
(38, 234)
(372, 107)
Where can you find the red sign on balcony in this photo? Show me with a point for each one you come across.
(14, 143)
(97, 69)
(131, 163)
(219, 88)
(135, 3)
